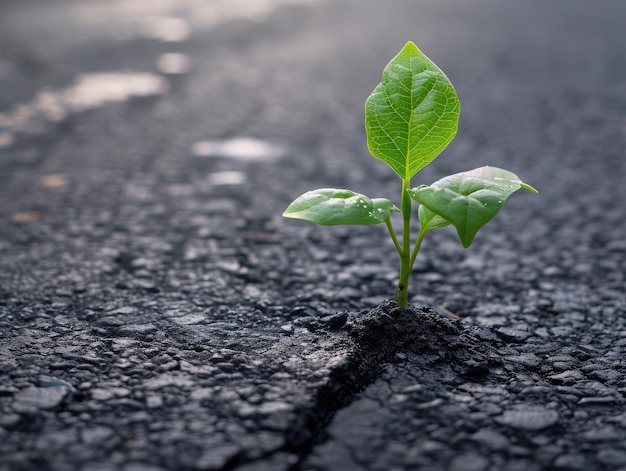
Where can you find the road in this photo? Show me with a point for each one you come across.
(156, 311)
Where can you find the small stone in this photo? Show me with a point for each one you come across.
(274, 407)
(95, 435)
(612, 457)
(604, 434)
(563, 362)
(190, 319)
(510, 334)
(9, 420)
(572, 462)
(40, 398)
(154, 401)
(413, 388)
(101, 394)
(137, 329)
(600, 401)
(567, 378)
(561, 331)
(527, 359)
(606, 375)
(531, 418)
(123, 310)
(491, 439)
(469, 462)
(201, 394)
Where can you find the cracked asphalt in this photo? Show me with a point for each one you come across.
(157, 313)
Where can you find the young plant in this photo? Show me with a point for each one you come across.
(410, 117)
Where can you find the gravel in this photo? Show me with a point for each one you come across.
(157, 313)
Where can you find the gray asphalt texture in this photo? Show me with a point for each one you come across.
(157, 313)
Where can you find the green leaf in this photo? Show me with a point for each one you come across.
(468, 200)
(412, 115)
(331, 207)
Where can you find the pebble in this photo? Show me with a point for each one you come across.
(137, 329)
(190, 319)
(601, 400)
(104, 394)
(566, 378)
(612, 457)
(40, 398)
(571, 462)
(491, 439)
(527, 359)
(274, 407)
(511, 334)
(95, 434)
(603, 434)
(469, 462)
(606, 375)
(529, 417)
(9, 420)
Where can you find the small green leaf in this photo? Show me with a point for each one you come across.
(468, 200)
(412, 115)
(430, 221)
(331, 207)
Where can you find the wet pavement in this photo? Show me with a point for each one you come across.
(156, 312)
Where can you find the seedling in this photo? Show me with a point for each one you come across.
(410, 117)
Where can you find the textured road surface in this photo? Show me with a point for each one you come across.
(157, 313)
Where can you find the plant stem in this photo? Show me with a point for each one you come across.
(405, 253)
(392, 232)
(416, 249)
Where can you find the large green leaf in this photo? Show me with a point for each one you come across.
(412, 115)
(332, 206)
(468, 200)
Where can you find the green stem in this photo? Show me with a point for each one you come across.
(416, 249)
(405, 253)
(392, 232)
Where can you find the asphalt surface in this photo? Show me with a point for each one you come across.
(157, 313)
